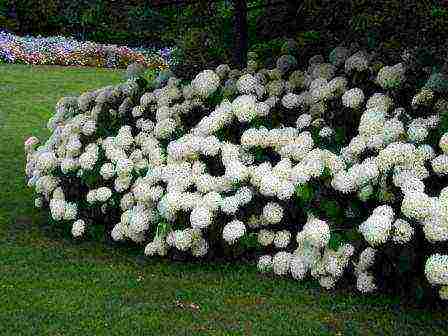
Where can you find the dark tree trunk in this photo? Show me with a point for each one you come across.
(241, 38)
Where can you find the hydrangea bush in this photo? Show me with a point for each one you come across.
(59, 50)
(335, 172)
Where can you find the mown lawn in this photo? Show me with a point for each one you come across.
(50, 285)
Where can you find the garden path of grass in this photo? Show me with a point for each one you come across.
(50, 285)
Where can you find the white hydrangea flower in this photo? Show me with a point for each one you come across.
(403, 231)
(356, 62)
(103, 194)
(298, 267)
(70, 211)
(78, 228)
(199, 248)
(205, 83)
(272, 213)
(417, 205)
(328, 282)
(46, 162)
(244, 107)
(326, 132)
(233, 231)
(353, 98)
(246, 84)
(440, 164)
(230, 205)
(183, 239)
(201, 217)
(365, 283)
(118, 232)
(391, 77)
(89, 127)
(317, 232)
(264, 263)
(282, 239)
(436, 269)
(290, 100)
(303, 121)
(265, 237)
(281, 263)
(366, 260)
(107, 170)
(376, 229)
(57, 209)
(417, 133)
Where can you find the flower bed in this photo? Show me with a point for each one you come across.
(338, 171)
(61, 50)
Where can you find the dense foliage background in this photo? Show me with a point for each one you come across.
(193, 25)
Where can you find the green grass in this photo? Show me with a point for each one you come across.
(51, 285)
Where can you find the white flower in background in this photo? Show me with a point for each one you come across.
(78, 228)
(317, 232)
(265, 237)
(365, 283)
(402, 231)
(246, 84)
(201, 217)
(303, 121)
(57, 209)
(205, 83)
(282, 239)
(298, 267)
(328, 282)
(353, 98)
(107, 170)
(290, 100)
(103, 194)
(70, 211)
(183, 239)
(377, 228)
(391, 77)
(417, 205)
(436, 269)
(244, 107)
(199, 248)
(417, 133)
(440, 164)
(124, 138)
(326, 132)
(434, 230)
(46, 162)
(272, 213)
(118, 232)
(281, 263)
(264, 263)
(88, 127)
(357, 62)
(366, 260)
(233, 231)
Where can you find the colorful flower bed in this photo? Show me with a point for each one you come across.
(337, 171)
(59, 50)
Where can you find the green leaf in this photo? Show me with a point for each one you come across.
(305, 193)
(336, 240)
